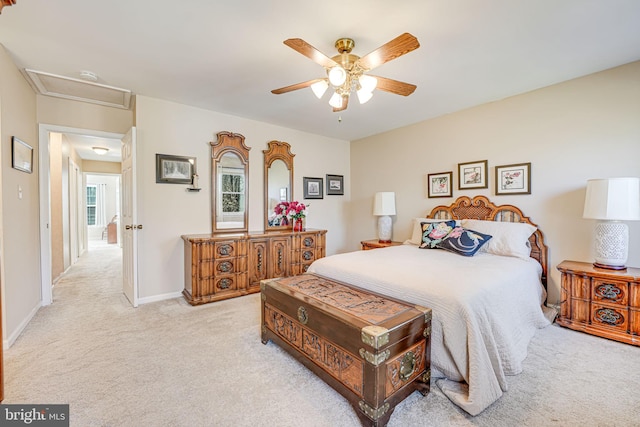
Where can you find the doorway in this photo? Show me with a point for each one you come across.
(67, 159)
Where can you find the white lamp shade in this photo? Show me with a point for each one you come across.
(337, 75)
(615, 199)
(364, 96)
(336, 100)
(368, 83)
(319, 88)
(385, 203)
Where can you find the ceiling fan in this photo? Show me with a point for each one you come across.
(346, 71)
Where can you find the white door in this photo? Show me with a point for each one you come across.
(130, 227)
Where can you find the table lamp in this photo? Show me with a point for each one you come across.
(611, 201)
(383, 206)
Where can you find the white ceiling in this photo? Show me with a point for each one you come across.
(228, 55)
(84, 147)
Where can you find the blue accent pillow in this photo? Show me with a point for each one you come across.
(435, 232)
(462, 241)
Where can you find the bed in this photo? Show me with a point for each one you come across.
(486, 307)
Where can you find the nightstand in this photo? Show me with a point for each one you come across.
(375, 244)
(600, 302)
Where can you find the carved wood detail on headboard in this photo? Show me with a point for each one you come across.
(482, 208)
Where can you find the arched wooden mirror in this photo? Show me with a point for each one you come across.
(278, 182)
(230, 182)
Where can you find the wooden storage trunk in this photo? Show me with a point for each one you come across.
(372, 349)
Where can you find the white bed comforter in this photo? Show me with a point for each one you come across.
(486, 309)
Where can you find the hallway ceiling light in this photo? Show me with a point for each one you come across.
(100, 150)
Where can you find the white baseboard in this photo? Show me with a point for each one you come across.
(14, 336)
(160, 297)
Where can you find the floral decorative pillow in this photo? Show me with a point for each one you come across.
(433, 233)
(464, 242)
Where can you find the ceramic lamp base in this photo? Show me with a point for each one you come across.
(384, 229)
(612, 245)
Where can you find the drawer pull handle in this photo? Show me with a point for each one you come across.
(608, 291)
(307, 255)
(224, 283)
(609, 316)
(225, 267)
(303, 316)
(407, 366)
(224, 250)
(308, 241)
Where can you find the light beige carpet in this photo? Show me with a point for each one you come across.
(171, 364)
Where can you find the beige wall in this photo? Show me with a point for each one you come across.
(82, 115)
(570, 132)
(101, 167)
(167, 211)
(20, 268)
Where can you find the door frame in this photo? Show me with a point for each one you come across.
(46, 293)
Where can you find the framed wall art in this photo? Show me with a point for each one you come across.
(472, 175)
(439, 184)
(312, 188)
(175, 169)
(21, 155)
(513, 179)
(335, 185)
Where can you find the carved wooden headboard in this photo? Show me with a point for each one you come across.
(481, 208)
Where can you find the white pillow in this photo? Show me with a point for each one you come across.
(508, 238)
(416, 233)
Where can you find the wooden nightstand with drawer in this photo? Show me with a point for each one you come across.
(375, 244)
(601, 302)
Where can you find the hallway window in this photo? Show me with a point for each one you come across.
(91, 204)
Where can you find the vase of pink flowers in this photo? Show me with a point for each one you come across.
(293, 213)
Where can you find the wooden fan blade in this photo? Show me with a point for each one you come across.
(310, 52)
(394, 86)
(295, 87)
(345, 104)
(397, 47)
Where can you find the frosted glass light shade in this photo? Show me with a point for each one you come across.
(613, 199)
(364, 96)
(336, 100)
(337, 75)
(368, 83)
(319, 88)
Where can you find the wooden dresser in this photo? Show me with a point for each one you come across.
(227, 265)
(601, 302)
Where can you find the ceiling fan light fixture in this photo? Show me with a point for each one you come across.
(319, 88)
(100, 150)
(336, 100)
(337, 76)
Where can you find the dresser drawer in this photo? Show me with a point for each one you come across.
(610, 316)
(221, 266)
(306, 256)
(610, 291)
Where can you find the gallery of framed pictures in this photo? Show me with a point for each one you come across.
(312, 188)
(172, 169)
(509, 179)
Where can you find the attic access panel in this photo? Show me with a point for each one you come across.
(78, 90)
